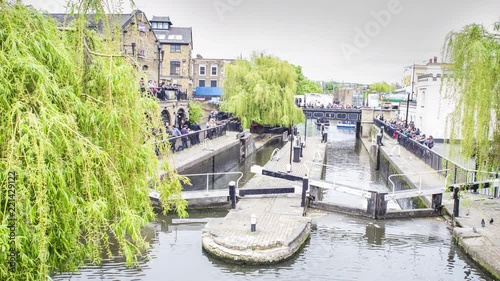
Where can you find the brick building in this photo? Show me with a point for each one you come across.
(176, 45)
(137, 38)
(208, 77)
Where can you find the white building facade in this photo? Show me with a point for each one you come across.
(433, 107)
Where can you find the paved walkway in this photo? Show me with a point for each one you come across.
(484, 245)
(193, 155)
(280, 230)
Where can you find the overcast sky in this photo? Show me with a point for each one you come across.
(353, 41)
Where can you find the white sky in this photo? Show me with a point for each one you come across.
(320, 35)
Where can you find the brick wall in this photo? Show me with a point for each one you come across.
(138, 30)
(184, 57)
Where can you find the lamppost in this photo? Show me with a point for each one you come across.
(408, 97)
(160, 59)
(305, 125)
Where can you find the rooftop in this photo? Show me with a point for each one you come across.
(175, 35)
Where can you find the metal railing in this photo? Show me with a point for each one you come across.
(194, 138)
(275, 154)
(436, 161)
(215, 174)
(419, 188)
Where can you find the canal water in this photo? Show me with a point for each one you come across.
(341, 247)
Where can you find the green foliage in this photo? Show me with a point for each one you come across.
(381, 87)
(74, 129)
(195, 112)
(262, 90)
(304, 85)
(474, 59)
(332, 86)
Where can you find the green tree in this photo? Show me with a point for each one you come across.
(74, 130)
(381, 87)
(195, 112)
(262, 90)
(304, 85)
(473, 54)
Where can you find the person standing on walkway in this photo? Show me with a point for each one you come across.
(184, 132)
(380, 136)
(196, 128)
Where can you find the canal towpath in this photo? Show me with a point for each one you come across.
(482, 245)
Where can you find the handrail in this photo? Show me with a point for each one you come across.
(208, 143)
(420, 178)
(193, 133)
(387, 126)
(210, 174)
(275, 153)
(316, 152)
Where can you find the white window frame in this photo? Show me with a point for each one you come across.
(199, 69)
(216, 70)
(216, 83)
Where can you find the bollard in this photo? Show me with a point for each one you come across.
(253, 222)
(305, 186)
(496, 185)
(437, 202)
(456, 202)
(232, 194)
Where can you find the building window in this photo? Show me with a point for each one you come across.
(201, 83)
(175, 48)
(203, 70)
(154, 25)
(175, 67)
(175, 37)
(141, 52)
(213, 83)
(214, 70)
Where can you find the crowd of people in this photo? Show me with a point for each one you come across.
(408, 130)
(152, 89)
(330, 106)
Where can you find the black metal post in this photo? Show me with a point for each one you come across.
(456, 201)
(407, 109)
(305, 130)
(437, 202)
(232, 194)
(291, 144)
(305, 186)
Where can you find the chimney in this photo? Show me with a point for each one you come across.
(435, 59)
(430, 60)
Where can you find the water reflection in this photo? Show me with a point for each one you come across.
(340, 248)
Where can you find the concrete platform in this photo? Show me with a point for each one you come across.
(281, 230)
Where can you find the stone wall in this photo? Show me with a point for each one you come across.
(138, 30)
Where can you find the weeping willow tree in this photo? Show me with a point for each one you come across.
(78, 135)
(474, 57)
(262, 90)
(304, 85)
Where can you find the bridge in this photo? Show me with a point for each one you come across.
(333, 114)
